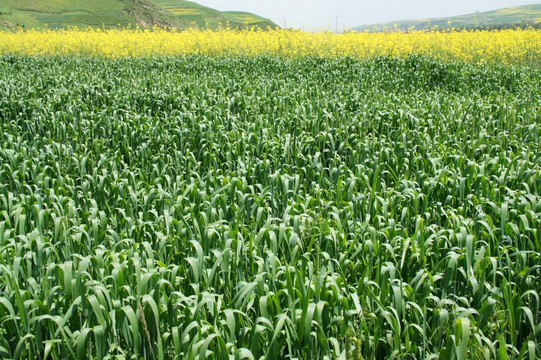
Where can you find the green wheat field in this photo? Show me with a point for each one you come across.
(269, 208)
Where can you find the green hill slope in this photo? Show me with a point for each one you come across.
(179, 14)
(518, 15)
(205, 16)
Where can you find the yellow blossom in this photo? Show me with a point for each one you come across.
(514, 46)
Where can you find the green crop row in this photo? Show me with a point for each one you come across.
(260, 207)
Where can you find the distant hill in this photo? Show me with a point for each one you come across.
(518, 15)
(205, 16)
(177, 14)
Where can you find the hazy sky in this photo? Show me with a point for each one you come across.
(315, 14)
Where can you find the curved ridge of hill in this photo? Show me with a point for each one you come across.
(517, 15)
(108, 14)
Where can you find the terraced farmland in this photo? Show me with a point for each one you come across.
(248, 207)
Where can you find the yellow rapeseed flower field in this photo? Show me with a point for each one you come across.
(505, 46)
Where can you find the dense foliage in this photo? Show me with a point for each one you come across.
(258, 206)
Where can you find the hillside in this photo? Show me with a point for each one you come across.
(527, 14)
(205, 16)
(108, 14)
